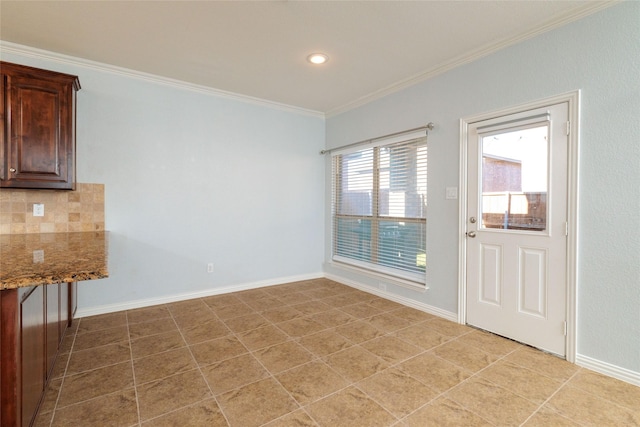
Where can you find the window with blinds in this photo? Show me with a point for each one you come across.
(379, 208)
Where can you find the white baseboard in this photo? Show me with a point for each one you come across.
(131, 305)
(401, 300)
(604, 368)
(608, 369)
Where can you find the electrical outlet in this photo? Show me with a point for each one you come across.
(210, 267)
(38, 209)
(38, 256)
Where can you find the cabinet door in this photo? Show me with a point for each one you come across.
(4, 171)
(39, 150)
(10, 360)
(32, 318)
(37, 142)
(73, 301)
(53, 324)
(64, 310)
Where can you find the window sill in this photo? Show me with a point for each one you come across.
(386, 278)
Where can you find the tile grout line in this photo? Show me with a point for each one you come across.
(329, 327)
(315, 358)
(237, 337)
(562, 385)
(590, 393)
(350, 383)
(438, 393)
(67, 375)
(198, 367)
(501, 358)
(292, 339)
(296, 340)
(320, 359)
(64, 374)
(444, 393)
(393, 365)
(133, 371)
(272, 375)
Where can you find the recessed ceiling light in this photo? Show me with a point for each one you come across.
(317, 58)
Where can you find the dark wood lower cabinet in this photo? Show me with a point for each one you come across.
(33, 342)
(33, 322)
(52, 311)
(64, 309)
(73, 300)
(10, 342)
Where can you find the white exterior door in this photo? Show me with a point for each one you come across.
(517, 226)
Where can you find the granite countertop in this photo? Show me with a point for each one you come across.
(46, 258)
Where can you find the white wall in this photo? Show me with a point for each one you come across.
(600, 55)
(192, 178)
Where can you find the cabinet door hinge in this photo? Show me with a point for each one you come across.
(566, 228)
(568, 128)
(564, 328)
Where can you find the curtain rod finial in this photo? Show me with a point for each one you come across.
(429, 127)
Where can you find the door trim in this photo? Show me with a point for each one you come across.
(573, 100)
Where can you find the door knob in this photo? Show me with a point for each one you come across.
(471, 234)
(12, 170)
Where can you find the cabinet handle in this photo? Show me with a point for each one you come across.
(12, 170)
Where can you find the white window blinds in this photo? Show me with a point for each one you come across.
(379, 208)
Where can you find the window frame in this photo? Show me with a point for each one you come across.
(373, 267)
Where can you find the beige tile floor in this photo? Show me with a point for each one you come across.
(315, 353)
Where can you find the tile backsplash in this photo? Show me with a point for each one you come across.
(64, 211)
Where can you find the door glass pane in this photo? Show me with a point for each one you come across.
(514, 179)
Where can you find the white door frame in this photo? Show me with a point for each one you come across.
(573, 100)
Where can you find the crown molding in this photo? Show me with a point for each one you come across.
(573, 15)
(32, 52)
(481, 52)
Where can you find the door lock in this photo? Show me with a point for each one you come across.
(472, 220)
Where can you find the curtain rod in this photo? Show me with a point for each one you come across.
(429, 126)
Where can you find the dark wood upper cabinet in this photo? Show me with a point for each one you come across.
(38, 133)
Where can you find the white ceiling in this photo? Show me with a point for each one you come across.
(259, 48)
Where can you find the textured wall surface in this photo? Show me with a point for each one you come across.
(190, 179)
(600, 55)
